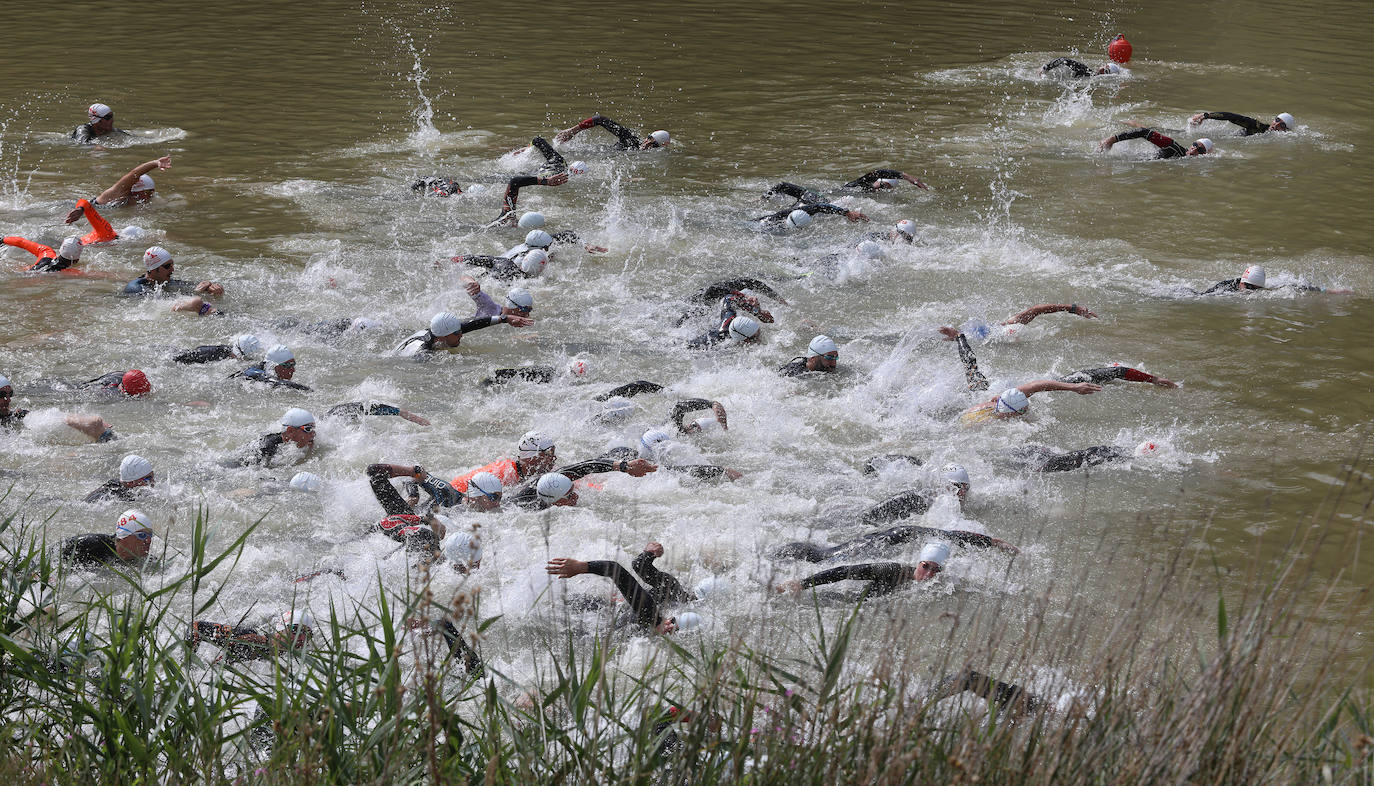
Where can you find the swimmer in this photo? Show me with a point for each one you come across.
(555, 488)
(884, 542)
(126, 383)
(290, 633)
(358, 409)
(665, 589)
(1248, 125)
(875, 180)
(526, 260)
(135, 188)
(99, 122)
(398, 525)
(687, 406)
(822, 355)
(101, 231)
(158, 263)
(9, 418)
(801, 215)
(282, 362)
(1014, 402)
(445, 331)
(517, 302)
(1038, 458)
(442, 186)
(1079, 70)
(92, 426)
(45, 259)
(512, 195)
(746, 290)
(1168, 148)
(733, 326)
(1009, 698)
(976, 380)
(1253, 279)
(1024, 317)
(903, 231)
(135, 478)
(535, 220)
(654, 443)
(534, 455)
(644, 609)
(883, 577)
(127, 547)
(244, 346)
(298, 428)
(625, 138)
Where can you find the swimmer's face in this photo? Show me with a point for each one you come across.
(1278, 125)
(147, 480)
(285, 370)
(540, 462)
(925, 571)
(960, 490)
(102, 125)
(1244, 287)
(162, 273)
(898, 236)
(451, 340)
(482, 501)
(136, 545)
(301, 436)
(139, 197)
(1197, 150)
(516, 311)
(826, 362)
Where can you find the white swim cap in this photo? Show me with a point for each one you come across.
(1012, 402)
(711, 586)
(444, 324)
(71, 249)
(532, 220)
(687, 620)
(246, 345)
(552, 487)
(650, 441)
(1287, 119)
(1254, 276)
(743, 328)
(532, 444)
(869, 249)
(279, 354)
(706, 424)
(534, 262)
(463, 548)
(578, 367)
(798, 218)
(364, 323)
(1113, 68)
(134, 467)
(520, 298)
(155, 257)
(99, 111)
(618, 410)
(288, 618)
(907, 227)
(935, 552)
(5, 382)
(660, 136)
(483, 484)
(297, 417)
(1146, 448)
(1206, 144)
(955, 473)
(538, 238)
(132, 522)
(306, 481)
(885, 181)
(577, 168)
(821, 345)
(144, 183)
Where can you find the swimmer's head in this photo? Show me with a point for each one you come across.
(296, 626)
(660, 138)
(1110, 68)
(156, 257)
(578, 367)
(281, 360)
(651, 441)
(1011, 402)
(1147, 448)
(687, 621)
(618, 410)
(822, 354)
(99, 112)
(1283, 122)
(538, 238)
(463, 550)
(932, 561)
(1200, 147)
(133, 534)
(70, 249)
(298, 427)
(6, 390)
(134, 470)
(553, 488)
(445, 324)
(957, 478)
(704, 425)
(532, 220)
(906, 230)
(245, 345)
(537, 451)
(577, 168)
(135, 383)
(869, 250)
(1253, 277)
(711, 586)
(142, 189)
(743, 328)
(306, 481)
(798, 219)
(484, 491)
(534, 262)
(519, 302)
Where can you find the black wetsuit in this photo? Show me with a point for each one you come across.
(50, 265)
(1004, 694)
(630, 389)
(258, 373)
(358, 409)
(883, 577)
(502, 268)
(1248, 125)
(91, 550)
(867, 181)
(878, 544)
(13, 419)
(261, 453)
(538, 374)
(712, 293)
(113, 489)
(84, 134)
(553, 161)
(1109, 373)
(644, 610)
(730, 306)
(664, 587)
(1039, 458)
(230, 639)
(512, 195)
(143, 286)
(1168, 148)
(1080, 71)
(209, 353)
(976, 380)
(1233, 285)
(625, 138)
(458, 647)
(797, 367)
(526, 495)
(810, 196)
(402, 524)
(698, 471)
(875, 464)
(810, 208)
(438, 186)
(687, 406)
(105, 383)
(427, 339)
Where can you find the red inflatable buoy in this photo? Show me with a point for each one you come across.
(1119, 49)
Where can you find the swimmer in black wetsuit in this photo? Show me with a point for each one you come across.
(746, 330)
(528, 494)
(356, 410)
(157, 280)
(135, 473)
(99, 122)
(1077, 69)
(665, 589)
(127, 547)
(442, 186)
(129, 383)
(1168, 148)
(446, 331)
(1008, 697)
(1248, 125)
(749, 288)
(1024, 317)
(512, 195)
(282, 362)
(885, 542)
(241, 347)
(883, 577)
(644, 609)
(419, 533)
(785, 216)
(1095, 376)
(92, 426)
(1253, 279)
(290, 633)
(298, 428)
(45, 259)
(625, 138)
(875, 180)
(1039, 458)
(822, 356)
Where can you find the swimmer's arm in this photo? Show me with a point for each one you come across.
(630, 389)
(1025, 317)
(1155, 138)
(979, 540)
(1250, 124)
(486, 322)
(125, 185)
(687, 406)
(637, 468)
(1048, 385)
(486, 307)
(875, 571)
(852, 215)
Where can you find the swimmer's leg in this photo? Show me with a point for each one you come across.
(553, 161)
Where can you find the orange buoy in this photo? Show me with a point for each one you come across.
(1119, 49)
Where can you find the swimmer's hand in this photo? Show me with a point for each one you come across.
(854, 215)
(949, 333)
(1164, 383)
(591, 249)
(1197, 118)
(518, 321)
(789, 587)
(556, 180)
(470, 284)
(915, 181)
(75, 214)
(655, 548)
(1106, 144)
(413, 418)
(998, 543)
(164, 163)
(565, 135)
(210, 287)
(719, 409)
(565, 567)
(638, 468)
(733, 474)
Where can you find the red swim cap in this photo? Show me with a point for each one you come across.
(135, 383)
(1119, 49)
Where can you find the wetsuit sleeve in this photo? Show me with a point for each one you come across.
(443, 493)
(352, 409)
(1091, 457)
(83, 134)
(477, 324)
(102, 491)
(664, 586)
(483, 260)
(1080, 70)
(1168, 148)
(976, 380)
(885, 576)
(1249, 124)
(793, 368)
(685, 407)
(39, 251)
(795, 191)
(537, 374)
(1109, 373)
(641, 602)
(387, 496)
(206, 354)
(626, 138)
(101, 231)
(975, 539)
(1003, 694)
(553, 160)
(866, 182)
(566, 236)
(512, 195)
(1230, 285)
(589, 467)
(825, 207)
(900, 506)
(631, 389)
